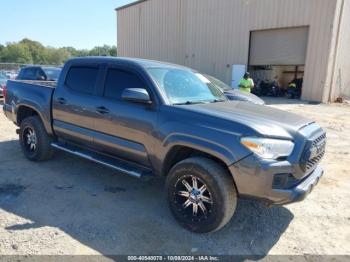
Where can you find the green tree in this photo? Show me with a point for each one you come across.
(17, 53)
(105, 50)
(32, 52)
(36, 50)
(56, 56)
(1, 50)
(113, 51)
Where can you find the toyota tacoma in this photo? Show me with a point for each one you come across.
(146, 118)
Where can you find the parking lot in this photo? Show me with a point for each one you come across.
(72, 206)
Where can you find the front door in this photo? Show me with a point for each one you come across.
(124, 129)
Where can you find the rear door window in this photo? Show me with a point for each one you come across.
(82, 79)
(118, 80)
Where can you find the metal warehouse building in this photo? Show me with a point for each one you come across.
(284, 39)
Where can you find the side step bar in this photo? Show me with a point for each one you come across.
(114, 163)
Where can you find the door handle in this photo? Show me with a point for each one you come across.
(102, 110)
(61, 101)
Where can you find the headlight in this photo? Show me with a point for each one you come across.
(268, 148)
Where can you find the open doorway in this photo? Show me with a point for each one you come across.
(278, 81)
(277, 61)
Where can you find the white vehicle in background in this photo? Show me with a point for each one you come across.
(11, 74)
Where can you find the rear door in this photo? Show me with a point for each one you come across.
(124, 129)
(73, 104)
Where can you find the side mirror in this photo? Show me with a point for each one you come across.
(137, 95)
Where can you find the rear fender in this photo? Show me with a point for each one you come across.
(45, 117)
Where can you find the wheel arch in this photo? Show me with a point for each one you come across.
(24, 110)
(184, 142)
(178, 153)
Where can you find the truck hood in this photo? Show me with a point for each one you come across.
(267, 121)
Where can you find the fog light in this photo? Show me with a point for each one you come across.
(284, 181)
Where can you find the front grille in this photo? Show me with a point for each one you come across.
(314, 161)
(313, 153)
(319, 139)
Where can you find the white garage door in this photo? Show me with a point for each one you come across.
(279, 46)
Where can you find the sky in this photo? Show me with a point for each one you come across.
(82, 24)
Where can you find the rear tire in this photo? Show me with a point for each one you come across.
(201, 194)
(35, 142)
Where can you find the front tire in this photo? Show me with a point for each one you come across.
(201, 194)
(35, 142)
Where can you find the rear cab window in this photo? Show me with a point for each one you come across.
(82, 79)
(28, 74)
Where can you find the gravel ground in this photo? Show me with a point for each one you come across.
(72, 206)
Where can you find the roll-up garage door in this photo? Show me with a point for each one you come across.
(279, 46)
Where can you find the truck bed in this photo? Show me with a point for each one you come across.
(51, 84)
(36, 95)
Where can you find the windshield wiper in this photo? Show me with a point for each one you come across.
(218, 101)
(189, 103)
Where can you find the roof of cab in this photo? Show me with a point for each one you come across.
(135, 61)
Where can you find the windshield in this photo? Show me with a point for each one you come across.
(186, 87)
(223, 87)
(52, 73)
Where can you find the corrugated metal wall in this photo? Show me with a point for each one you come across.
(211, 35)
(152, 29)
(341, 71)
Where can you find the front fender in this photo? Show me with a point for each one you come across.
(200, 144)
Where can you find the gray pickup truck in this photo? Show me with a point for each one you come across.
(146, 118)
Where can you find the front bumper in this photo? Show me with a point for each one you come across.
(299, 192)
(258, 182)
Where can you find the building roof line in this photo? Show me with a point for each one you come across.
(131, 4)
